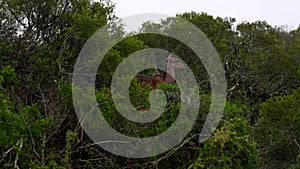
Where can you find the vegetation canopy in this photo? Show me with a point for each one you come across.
(40, 41)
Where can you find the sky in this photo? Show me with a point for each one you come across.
(276, 12)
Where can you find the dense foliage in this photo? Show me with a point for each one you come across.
(41, 39)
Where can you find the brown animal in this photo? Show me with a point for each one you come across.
(142, 79)
(172, 64)
(153, 80)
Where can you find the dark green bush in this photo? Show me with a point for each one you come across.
(277, 132)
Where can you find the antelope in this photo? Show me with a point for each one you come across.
(172, 64)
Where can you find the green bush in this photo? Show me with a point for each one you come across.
(229, 147)
(139, 97)
(277, 132)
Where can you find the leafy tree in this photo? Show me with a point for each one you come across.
(228, 148)
(277, 132)
(219, 31)
(264, 64)
(41, 39)
(297, 163)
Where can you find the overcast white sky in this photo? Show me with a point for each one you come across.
(275, 12)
